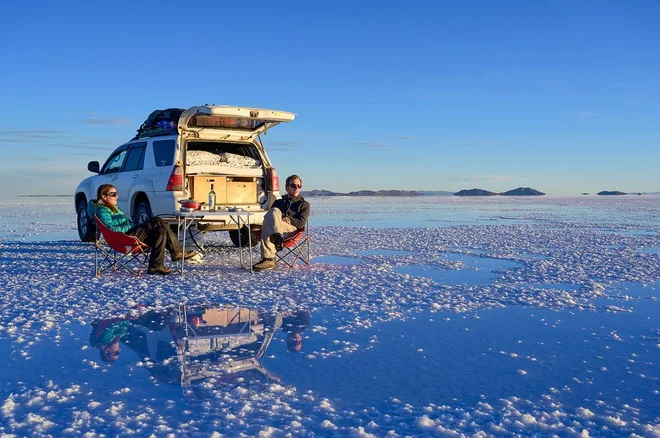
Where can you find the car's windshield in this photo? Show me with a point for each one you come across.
(115, 162)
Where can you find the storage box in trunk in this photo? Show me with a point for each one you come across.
(200, 186)
(224, 317)
(229, 190)
(241, 190)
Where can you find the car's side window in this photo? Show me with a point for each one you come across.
(115, 162)
(164, 152)
(135, 159)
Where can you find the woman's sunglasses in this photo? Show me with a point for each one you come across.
(295, 186)
(111, 194)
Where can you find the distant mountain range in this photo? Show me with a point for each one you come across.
(617, 192)
(520, 191)
(475, 192)
(363, 193)
(611, 192)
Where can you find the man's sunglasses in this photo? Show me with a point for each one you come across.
(111, 194)
(295, 186)
(113, 353)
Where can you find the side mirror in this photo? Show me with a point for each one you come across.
(93, 166)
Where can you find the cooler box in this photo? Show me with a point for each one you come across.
(224, 317)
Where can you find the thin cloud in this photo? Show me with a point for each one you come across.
(408, 137)
(15, 140)
(26, 136)
(93, 148)
(81, 154)
(473, 143)
(102, 141)
(283, 146)
(587, 114)
(476, 178)
(375, 146)
(288, 144)
(7, 132)
(110, 121)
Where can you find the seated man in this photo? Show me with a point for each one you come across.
(285, 218)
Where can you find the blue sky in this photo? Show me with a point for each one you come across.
(561, 96)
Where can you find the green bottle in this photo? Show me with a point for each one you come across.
(211, 199)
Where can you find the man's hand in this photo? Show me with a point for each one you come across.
(286, 219)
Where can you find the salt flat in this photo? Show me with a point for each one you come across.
(430, 315)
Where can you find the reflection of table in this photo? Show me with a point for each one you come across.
(186, 219)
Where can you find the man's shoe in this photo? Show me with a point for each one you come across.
(264, 265)
(278, 241)
(161, 270)
(188, 255)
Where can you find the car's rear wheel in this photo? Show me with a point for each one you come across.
(142, 213)
(233, 235)
(86, 228)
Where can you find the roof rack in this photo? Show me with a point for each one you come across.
(154, 133)
(160, 122)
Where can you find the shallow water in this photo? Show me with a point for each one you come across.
(507, 316)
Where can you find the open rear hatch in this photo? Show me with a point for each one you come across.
(231, 123)
(221, 138)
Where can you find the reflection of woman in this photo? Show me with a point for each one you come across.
(155, 233)
(106, 335)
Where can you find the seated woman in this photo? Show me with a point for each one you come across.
(155, 233)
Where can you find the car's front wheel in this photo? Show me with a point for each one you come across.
(142, 213)
(86, 228)
(233, 235)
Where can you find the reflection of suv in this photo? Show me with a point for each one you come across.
(178, 154)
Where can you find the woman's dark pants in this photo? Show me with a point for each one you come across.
(159, 236)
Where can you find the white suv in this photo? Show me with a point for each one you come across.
(177, 155)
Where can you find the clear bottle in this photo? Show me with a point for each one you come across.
(211, 199)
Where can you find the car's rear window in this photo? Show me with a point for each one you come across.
(164, 152)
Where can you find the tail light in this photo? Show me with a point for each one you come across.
(273, 180)
(175, 183)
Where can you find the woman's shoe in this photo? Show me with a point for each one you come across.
(161, 270)
(179, 255)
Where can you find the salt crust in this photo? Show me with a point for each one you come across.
(570, 252)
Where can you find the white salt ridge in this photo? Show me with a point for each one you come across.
(8, 406)
(327, 424)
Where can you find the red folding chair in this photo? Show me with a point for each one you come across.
(118, 250)
(295, 248)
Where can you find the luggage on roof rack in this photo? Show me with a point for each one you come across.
(160, 122)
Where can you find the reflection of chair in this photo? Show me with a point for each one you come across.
(118, 250)
(295, 248)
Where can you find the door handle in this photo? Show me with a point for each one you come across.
(137, 175)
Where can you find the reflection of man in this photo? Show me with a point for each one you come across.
(287, 216)
(294, 342)
(294, 324)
